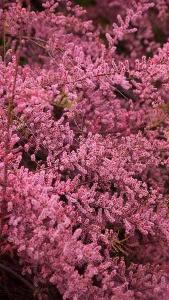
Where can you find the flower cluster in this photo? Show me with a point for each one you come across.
(84, 145)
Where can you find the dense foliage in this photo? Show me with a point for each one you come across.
(84, 146)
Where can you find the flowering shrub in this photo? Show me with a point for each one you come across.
(84, 146)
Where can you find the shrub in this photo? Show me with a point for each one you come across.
(84, 145)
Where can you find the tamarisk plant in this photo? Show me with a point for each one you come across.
(83, 169)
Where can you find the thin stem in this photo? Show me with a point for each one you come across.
(16, 275)
(98, 75)
(9, 123)
(4, 37)
(37, 40)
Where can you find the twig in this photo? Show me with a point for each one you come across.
(4, 35)
(16, 275)
(37, 40)
(9, 123)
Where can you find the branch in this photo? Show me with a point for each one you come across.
(16, 275)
